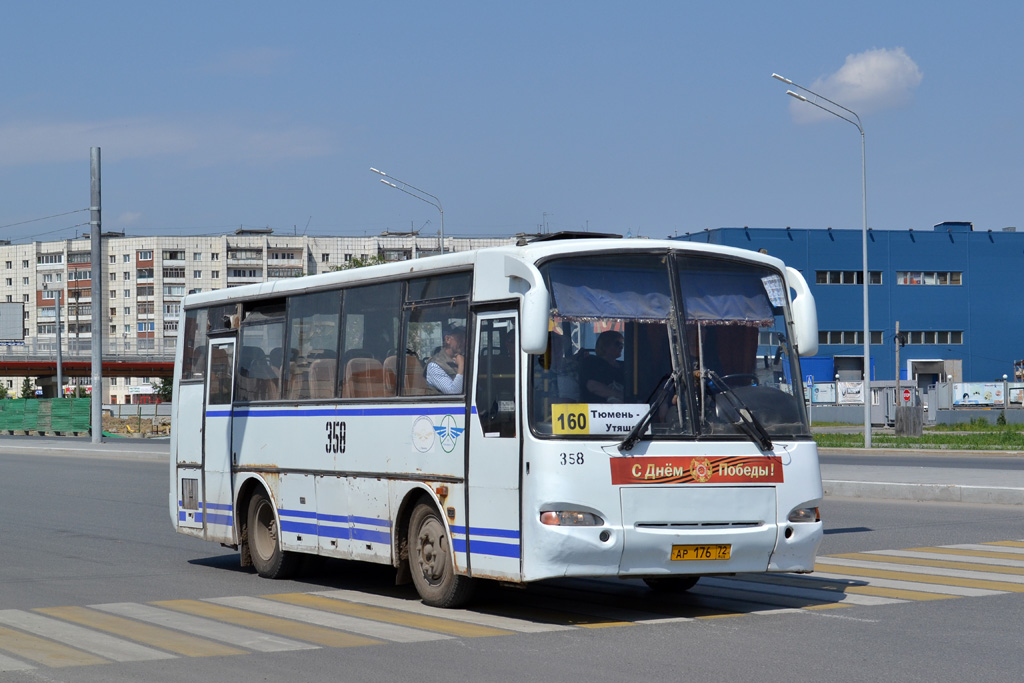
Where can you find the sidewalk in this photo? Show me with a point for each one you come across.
(942, 484)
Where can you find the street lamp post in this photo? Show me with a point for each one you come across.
(412, 191)
(60, 370)
(864, 235)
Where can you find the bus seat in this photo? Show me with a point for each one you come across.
(364, 378)
(416, 377)
(322, 372)
(391, 374)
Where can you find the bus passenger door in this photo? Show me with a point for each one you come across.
(493, 534)
(218, 456)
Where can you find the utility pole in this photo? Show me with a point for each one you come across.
(95, 244)
(898, 396)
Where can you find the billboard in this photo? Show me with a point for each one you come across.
(12, 322)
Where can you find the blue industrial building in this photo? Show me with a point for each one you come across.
(950, 289)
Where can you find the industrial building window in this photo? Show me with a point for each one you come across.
(846, 277)
(847, 337)
(918, 277)
(939, 337)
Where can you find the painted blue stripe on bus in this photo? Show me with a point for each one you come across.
(337, 412)
(298, 527)
(370, 535)
(495, 549)
(334, 532)
(371, 521)
(224, 520)
(337, 519)
(459, 545)
(303, 514)
(218, 506)
(483, 531)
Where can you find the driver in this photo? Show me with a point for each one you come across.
(602, 377)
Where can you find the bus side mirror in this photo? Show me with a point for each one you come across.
(805, 314)
(527, 281)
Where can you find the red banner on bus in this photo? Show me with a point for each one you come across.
(697, 470)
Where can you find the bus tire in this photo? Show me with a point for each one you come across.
(264, 540)
(430, 561)
(675, 584)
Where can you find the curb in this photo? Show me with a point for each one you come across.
(944, 493)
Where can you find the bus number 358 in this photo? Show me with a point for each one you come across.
(335, 437)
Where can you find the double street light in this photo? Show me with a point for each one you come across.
(864, 233)
(416, 192)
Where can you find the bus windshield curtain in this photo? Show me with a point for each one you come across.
(586, 292)
(724, 298)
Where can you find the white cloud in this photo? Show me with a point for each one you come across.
(197, 143)
(129, 218)
(868, 82)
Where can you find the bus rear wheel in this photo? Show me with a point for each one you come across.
(430, 561)
(675, 584)
(264, 540)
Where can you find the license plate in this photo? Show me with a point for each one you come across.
(700, 552)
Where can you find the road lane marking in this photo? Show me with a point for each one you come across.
(11, 664)
(366, 627)
(900, 572)
(915, 586)
(923, 567)
(206, 628)
(283, 627)
(818, 596)
(44, 651)
(391, 615)
(1011, 566)
(165, 639)
(100, 644)
(464, 615)
(975, 551)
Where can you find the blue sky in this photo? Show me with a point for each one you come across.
(655, 118)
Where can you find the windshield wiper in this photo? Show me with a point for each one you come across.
(659, 395)
(743, 418)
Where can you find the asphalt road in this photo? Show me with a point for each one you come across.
(87, 541)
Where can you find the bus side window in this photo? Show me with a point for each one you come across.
(221, 365)
(496, 377)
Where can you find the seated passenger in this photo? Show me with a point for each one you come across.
(602, 377)
(446, 367)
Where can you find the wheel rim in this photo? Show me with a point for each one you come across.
(432, 551)
(264, 536)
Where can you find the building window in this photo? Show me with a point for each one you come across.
(918, 277)
(127, 258)
(933, 337)
(24, 280)
(113, 294)
(174, 290)
(215, 274)
(146, 327)
(197, 256)
(144, 255)
(10, 281)
(846, 277)
(325, 258)
(197, 274)
(214, 256)
(174, 272)
(145, 308)
(10, 265)
(848, 337)
(24, 264)
(127, 276)
(24, 297)
(47, 259)
(142, 290)
(113, 258)
(113, 311)
(174, 255)
(147, 273)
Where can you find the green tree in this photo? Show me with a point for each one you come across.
(3, 392)
(163, 388)
(28, 388)
(360, 262)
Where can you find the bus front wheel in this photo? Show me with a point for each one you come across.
(430, 561)
(264, 540)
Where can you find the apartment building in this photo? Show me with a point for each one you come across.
(144, 279)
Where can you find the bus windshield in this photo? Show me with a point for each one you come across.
(699, 343)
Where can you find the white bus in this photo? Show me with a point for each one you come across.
(568, 407)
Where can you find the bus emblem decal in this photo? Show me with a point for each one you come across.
(423, 434)
(448, 432)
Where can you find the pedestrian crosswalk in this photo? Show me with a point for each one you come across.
(232, 625)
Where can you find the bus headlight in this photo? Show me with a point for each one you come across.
(570, 518)
(805, 515)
